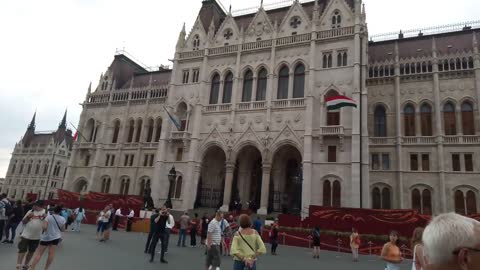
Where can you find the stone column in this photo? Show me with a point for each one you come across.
(254, 88)
(227, 193)
(398, 127)
(290, 84)
(263, 210)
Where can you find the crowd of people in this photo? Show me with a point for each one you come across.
(450, 241)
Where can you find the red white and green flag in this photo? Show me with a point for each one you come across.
(337, 102)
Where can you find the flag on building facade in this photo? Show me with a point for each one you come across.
(337, 102)
(175, 120)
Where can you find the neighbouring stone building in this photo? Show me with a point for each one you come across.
(248, 92)
(2, 182)
(39, 162)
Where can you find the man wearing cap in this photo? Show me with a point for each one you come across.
(30, 237)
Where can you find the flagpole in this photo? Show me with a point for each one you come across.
(76, 130)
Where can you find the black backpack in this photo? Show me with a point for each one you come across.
(8, 209)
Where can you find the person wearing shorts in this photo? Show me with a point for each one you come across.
(54, 225)
(30, 236)
(103, 219)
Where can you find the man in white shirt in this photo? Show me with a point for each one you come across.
(118, 215)
(168, 228)
(30, 236)
(130, 220)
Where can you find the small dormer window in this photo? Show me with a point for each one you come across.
(295, 22)
(196, 43)
(336, 19)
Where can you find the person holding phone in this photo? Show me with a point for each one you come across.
(30, 236)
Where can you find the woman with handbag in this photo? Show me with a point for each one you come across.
(247, 245)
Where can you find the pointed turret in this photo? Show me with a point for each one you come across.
(90, 88)
(30, 133)
(181, 38)
(63, 124)
(32, 123)
(211, 30)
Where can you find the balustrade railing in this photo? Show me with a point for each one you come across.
(223, 50)
(191, 54)
(289, 103)
(257, 45)
(337, 32)
(332, 130)
(419, 140)
(254, 105)
(294, 39)
(129, 94)
(180, 135)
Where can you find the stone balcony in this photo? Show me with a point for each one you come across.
(254, 105)
(288, 103)
(180, 135)
(332, 131)
(217, 108)
(154, 94)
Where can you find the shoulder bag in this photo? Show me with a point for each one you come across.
(250, 263)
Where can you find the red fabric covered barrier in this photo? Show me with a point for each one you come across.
(94, 202)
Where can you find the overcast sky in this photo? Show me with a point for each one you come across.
(51, 49)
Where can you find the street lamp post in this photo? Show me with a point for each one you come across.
(172, 175)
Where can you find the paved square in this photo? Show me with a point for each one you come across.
(80, 251)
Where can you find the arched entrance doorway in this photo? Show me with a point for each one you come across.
(286, 181)
(212, 179)
(80, 186)
(247, 178)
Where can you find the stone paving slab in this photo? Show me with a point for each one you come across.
(80, 251)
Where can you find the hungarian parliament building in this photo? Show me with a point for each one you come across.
(241, 118)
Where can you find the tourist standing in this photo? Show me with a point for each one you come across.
(224, 226)
(15, 219)
(247, 245)
(274, 238)
(168, 228)
(54, 225)
(182, 234)
(130, 220)
(108, 226)
(118, 215)
(66, 214)
(102, 222)
(452, 242)
(417, 247)
(227, 240)
(30, 236)
(257, 225)
(203, 235)
(391, 253)
(5, 212)
(214, 239)
(78, 218)
(193, 230)
(153, 229)
(160, 235)
(316, 242)
(355, 244)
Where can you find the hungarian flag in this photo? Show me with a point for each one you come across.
(75, 136)
(175, 120)
(337, 102)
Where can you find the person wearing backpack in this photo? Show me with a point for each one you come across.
(6, 211)
(15, 219)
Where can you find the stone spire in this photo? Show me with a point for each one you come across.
(181, 38)
(32, 123)
(316, 11)
(63, 124)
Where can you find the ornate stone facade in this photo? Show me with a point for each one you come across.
(249, 94)
(39, 163)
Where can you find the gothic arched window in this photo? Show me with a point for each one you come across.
(262, 85)
(459, 203)
(426, 119)
(227, 88)
(106, 182)
(380, 121)
(215, 89)
(299, 81)
(116, 131)
(150, 127)
(386, 201)
(336, 19)
(178, 188)
(450, 123)
(409, 120)
(471, 203)
(158, 129)
(327, 193)
(283, 78)
(139, 130)
(247, 86)
(337, 194)
(468, 122)
(376, 198)
(426, 202)
(125, 186)
(131, 129)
